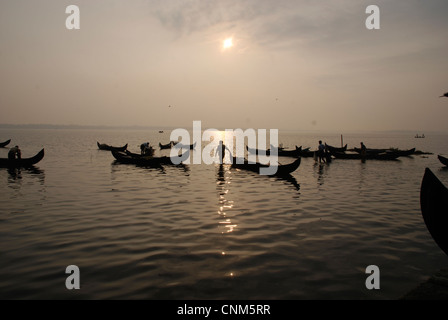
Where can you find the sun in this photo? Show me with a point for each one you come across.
(228, 43)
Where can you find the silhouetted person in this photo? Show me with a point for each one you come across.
(145, 149)
(321, 151)
(221, 149)
(14, 153)
(363, 150)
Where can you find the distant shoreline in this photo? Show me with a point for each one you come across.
(159, 128)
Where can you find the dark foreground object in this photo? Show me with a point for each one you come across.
(22, 163)
(434, 207)
(435, 288)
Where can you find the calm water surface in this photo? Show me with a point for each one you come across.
(212, 232)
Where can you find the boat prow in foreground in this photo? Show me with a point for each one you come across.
(434, 207)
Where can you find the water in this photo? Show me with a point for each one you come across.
(211, 232)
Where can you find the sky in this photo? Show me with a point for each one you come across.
(292, 64)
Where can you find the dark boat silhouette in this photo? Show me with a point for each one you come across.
(22, 163)
(434, 207)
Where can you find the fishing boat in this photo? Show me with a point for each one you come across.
(400, 153)
(282, 170)
(22, 163)
(336, 149)
(166, 146)
(280, 152)
(180, 145)
(443, 160)
(368, 156)
(145, 160)
(4, 144)
(103, 146)
(434, 204)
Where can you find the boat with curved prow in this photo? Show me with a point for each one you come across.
(22, 163)
(280, 152)
(434, 204)
(443, 160)
(336, 149)
(144, 160)
(4, 144)
(282, 169)
(103, 146)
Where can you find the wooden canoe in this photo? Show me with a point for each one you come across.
(4, 144)
(336, 149)
(282, 170)
(371, 156)
(434, 207)
(22, 163)
(296, 153)
(103, 146)
(443, 160)
(144, 160)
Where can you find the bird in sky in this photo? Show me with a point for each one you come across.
(444, 95)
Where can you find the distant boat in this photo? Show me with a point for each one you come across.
(160, 131)
(444, 95)
(336, 149)
(103, 146)
(434, 206)
(417, 136)
(22, 163)
(4, 144)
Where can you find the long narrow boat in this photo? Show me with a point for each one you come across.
(103, 146)
(280, 152)
(165, 146)
(443, 160)
(372, 156)
(336, 149)
(282, 170)
(400, 153)
(22, 163)
(179, 145)
(4, 144)
(434, 207)
(134, 158)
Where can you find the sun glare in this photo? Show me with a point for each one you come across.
(228, 43)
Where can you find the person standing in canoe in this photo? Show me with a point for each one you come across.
(363, 150)
(321, 152)
(14, 153)
(221, 149)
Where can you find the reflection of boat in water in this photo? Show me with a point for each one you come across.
(21, 163)
(434, 207)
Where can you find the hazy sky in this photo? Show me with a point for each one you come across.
(294, 64)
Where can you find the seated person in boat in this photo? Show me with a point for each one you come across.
(146, 149)
(14, 153)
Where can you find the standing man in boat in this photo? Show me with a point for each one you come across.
(363, 150)
(321, 152)
(221, 149)
(14, 152)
